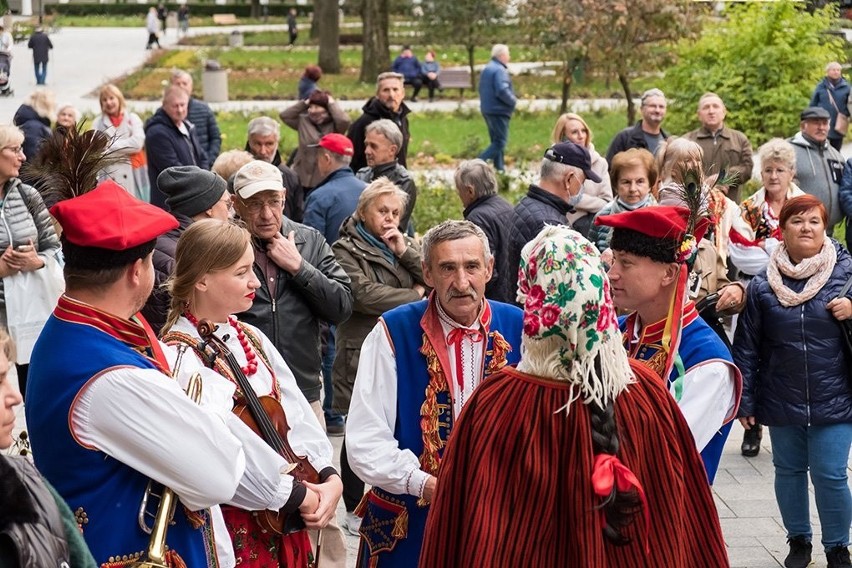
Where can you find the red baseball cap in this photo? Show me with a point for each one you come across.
(337, 143)
(108, 217)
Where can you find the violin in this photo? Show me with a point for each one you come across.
(265, 416)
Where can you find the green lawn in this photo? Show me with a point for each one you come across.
(273, 73)
(441, 139)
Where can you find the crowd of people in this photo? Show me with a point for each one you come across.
(585, 350)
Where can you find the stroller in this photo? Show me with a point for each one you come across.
(5, 71)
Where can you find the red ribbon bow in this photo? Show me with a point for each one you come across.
(456, 336)
(608, 471)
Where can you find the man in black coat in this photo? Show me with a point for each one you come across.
(41, 46)
(390, 91)
(563, 170)
(383, 141)
(648, 132)
(264, 136)
(201, 117)
(477, 188)
(170, 140)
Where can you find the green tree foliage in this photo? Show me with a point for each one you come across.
(763, 59)
(623, 37)
(472, 23)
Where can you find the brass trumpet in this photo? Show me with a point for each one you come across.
(155, 556)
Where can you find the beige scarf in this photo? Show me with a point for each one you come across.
(817, 269)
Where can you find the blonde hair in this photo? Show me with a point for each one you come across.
(377, 188)
(10, 135)
(777, 150)
(677, 151)
(110, 89)
(206, 246)
(43, 102)
(7, 344)
(562, 122)
(229, 162)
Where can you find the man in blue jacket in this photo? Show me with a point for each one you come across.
(170, 140)
(497, 103)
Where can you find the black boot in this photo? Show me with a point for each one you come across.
(800, 552)
(838, 557)
(751, 441)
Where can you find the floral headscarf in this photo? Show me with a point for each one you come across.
(569, 319)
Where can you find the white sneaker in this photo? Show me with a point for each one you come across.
(351, 523)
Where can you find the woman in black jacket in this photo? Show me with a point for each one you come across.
(789, 347)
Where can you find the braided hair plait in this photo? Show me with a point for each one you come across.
(619, 508)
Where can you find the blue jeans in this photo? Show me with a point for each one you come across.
(331, 417)
(824, 450)
(498, 132)
(40, 72)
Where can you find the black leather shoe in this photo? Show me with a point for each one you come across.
(838, 557)
(800, 553)
(751, 441)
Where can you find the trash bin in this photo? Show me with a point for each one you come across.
(214, 82)
(171, 20)
(236, 39)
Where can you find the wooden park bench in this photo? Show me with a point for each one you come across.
(224, 19)
(455, 79)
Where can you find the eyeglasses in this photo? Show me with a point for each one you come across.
(15, 149)
(775, 171)
(257, 206)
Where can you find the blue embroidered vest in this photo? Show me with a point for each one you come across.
(65, 358)
(393, 525)
(698, 344)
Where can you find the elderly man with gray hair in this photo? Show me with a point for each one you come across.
(648, 132)
(383, 141)
(476, 185)
(388, 104)
(200, 115)
(264, 134)
(564, 169)
(497, 102)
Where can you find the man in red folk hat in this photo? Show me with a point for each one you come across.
(653, 251)
(108, 410)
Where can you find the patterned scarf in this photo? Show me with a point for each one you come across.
(570, 329)
(817, 269)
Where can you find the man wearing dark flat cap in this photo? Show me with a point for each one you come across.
(191, 194)
(819, 167)
(563, 170)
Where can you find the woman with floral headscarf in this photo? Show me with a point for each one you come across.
(580, 457)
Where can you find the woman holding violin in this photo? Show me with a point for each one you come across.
(213, 279)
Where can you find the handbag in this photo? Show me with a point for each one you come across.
(30, 299)
(841, 122)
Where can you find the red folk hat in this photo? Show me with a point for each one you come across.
(108, 217)
(660, 222)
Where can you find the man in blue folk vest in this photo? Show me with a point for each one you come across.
(653, 250)
(108, 409)
(418, 367)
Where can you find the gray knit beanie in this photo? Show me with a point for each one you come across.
(190, 190)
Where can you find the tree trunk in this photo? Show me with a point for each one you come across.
(631, 108)
(255, 8)
(315, 21)
(328, 21)
(470, 62)
(376, 55)
(567, 80)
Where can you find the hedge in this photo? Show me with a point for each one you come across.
(92, 8)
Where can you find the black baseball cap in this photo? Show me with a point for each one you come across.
(575, 155)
